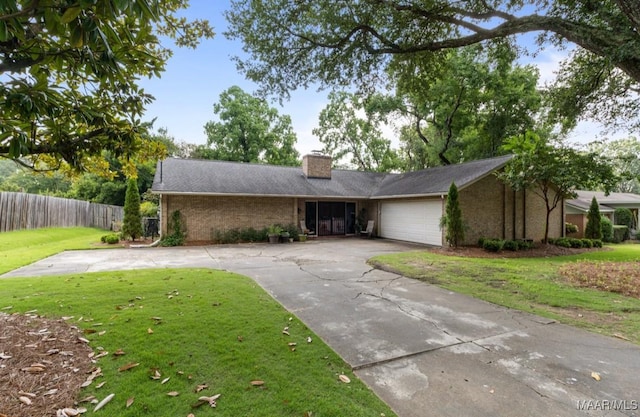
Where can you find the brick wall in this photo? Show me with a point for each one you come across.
(316, 166)
(203, 215)
(491, 209)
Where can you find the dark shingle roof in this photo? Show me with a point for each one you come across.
(191, 176)
(605, 202)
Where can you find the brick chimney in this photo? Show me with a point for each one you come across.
(316, 165)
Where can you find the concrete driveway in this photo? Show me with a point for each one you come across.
(423, 350)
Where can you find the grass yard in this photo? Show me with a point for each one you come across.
(576, 289)
(168, 337)
(23, 247)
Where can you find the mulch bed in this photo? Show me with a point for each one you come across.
(43, 363)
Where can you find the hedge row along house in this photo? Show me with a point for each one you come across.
(219, 196)
(577, 209)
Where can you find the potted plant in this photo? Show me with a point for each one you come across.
(302, 237)
(273, 232)
(285, 236)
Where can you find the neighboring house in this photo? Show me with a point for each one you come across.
(218, 196)
(577, 209)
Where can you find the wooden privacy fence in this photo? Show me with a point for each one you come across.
(32, 211)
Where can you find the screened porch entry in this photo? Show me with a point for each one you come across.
(331, 218)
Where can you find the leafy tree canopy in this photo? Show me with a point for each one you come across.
(350, 127)
(554, 172)
(294, 44)
(70, 71)
(249, 130)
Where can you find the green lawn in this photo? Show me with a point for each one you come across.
(23, 247)
(531, 284)
(207, 327)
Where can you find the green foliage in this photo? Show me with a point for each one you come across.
(597, 243)
(624, 217)
(623, 156)
(563, 242)
(293, 231)
(511, 245)
(493, 245)
(176, 233)
(274, 229)
(575, 243)
(620, 233)
(607, 229)
(349, 127)
(249, 130)
(111, 238)
(593, 230)
(465, 105)
(70, 76)
(587, 243)
(132, 223)
(295, 44)
(148, 209)
(452, 219)
(553, 172)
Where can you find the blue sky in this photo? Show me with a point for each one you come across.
(194, 79)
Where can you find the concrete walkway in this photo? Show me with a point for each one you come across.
(423, 350)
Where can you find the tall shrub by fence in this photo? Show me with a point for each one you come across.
(32, 211)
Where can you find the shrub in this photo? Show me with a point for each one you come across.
(111, 239)
(623, 217)
(132, 224)
(236, 235)
(148, 209)
(607, 229)
(177, 233)
(481, 240)
(452, 220)
(552, 240)
(597, 243)
(570, 228)
(512, 245)
(587, 243)
(293, 231)
(594, 221)
(493, 245)
(525, 244)
(575, 243)
(563, 242)
(620, 233)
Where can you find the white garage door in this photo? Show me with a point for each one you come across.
(412, 221)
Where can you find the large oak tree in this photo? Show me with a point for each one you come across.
(69, 72)
(294, 44)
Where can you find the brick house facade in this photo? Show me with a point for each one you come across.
(217, 196)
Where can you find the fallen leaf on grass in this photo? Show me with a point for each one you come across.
(344, 379)
(257, 383)
(127, 367)
(129, 402)
(118, 352)
(100, 385)
(595, 376)
(149, 331)
(164, 381)
(173, 393)
(201, 387)
(104, 402)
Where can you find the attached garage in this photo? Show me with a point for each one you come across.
(412, 220)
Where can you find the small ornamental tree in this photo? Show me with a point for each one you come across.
(452, 220)
(594, 226)
(132, 224)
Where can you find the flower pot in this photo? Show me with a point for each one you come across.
(302, 238)
(274, 238)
